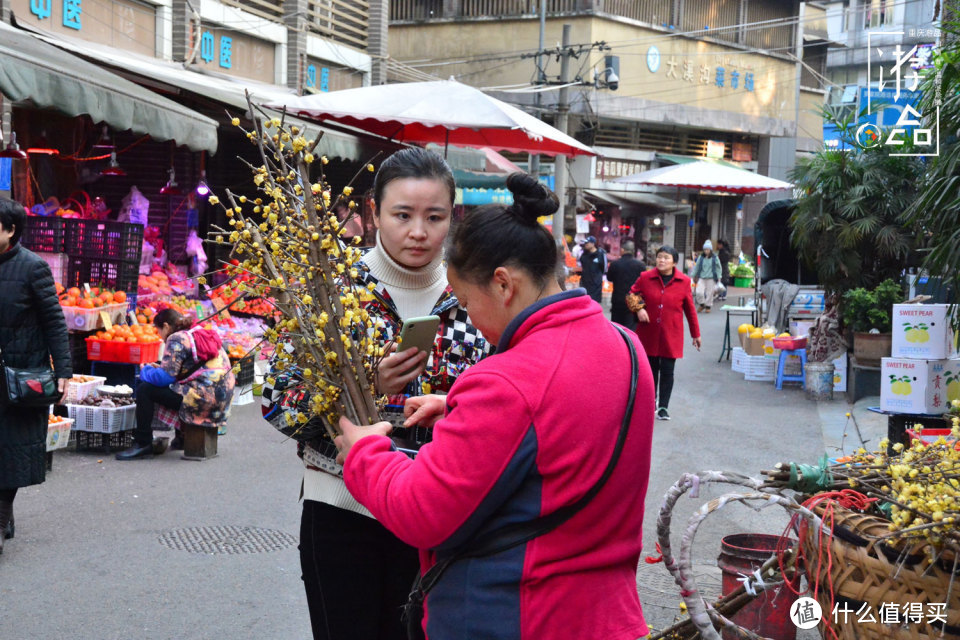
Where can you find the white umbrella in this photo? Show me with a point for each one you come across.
(708, 176)
(444, 112)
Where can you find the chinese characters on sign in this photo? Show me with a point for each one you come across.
(607, 169)
(207, 53)
(324, 78)
(891, 613)
(72, 10)
(723, 76)
(898, 74)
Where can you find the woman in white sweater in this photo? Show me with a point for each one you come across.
(356, 573)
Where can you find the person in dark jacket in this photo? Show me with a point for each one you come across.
(593, 264)
(622, 274)
(32, 330)
(723, 252)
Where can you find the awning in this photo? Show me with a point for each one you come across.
(628, 198)
(52, 78)
(175, 78)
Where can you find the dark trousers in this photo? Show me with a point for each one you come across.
(624, 317)
(356, 573)
(662, 378)
(148, 397)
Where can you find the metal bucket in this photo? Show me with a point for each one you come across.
(768, 615)
(819, 380)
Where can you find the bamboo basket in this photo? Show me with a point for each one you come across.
(867, 570)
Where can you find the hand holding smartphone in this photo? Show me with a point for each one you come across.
(416, 339)
(419, 333)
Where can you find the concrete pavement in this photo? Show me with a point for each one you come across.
(100, 547)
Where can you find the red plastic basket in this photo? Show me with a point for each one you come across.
(789, 343)
(123, 352)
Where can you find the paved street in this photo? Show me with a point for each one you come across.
(99, 551)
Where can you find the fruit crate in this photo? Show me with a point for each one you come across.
(77, 391)
(58, 434)
(90, 441)
(246, 374)
(42, 233)
(79, 319)
(122, 352)
(57, 263)
(759, 368)
(104, 239)
(102, 419)
(112, 274)
(789, 343)
(78, 352)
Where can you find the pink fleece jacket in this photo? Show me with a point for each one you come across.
(527, 431)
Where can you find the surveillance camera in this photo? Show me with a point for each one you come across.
(613, 80)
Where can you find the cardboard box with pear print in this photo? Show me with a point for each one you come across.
(919, 386)
(923, 331)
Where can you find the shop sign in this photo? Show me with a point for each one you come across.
(323, 76)
(123, 24)
(715, 149)
(729, 73)
(607, 169)
(472, 197)
(237, 54)
(6, 174)
(742, 152)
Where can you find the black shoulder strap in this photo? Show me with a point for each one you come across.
(514, 535)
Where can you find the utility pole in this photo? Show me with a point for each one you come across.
(534, 169)
(563, 108)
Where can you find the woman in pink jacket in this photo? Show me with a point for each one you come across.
(520, 436)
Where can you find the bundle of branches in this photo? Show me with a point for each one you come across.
(288, 242)
(917, 487)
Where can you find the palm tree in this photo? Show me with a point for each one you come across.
(849, 225)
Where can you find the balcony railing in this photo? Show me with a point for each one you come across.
(717, 19)
(655, 12)
(764, 28)
(403, 10)
(344, 21)
(269, 9)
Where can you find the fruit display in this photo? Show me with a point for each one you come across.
(105, 401)
(89, 297)
(52, 419)
(156, 282)
(140, 333)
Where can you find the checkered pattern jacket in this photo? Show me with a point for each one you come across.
(457, 346)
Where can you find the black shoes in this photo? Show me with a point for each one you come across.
(177, 442)
(136, 451)
(10, 529)
(663, 414)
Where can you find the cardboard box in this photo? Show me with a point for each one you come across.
(801, 328)
(909, 385)
(923, 331)
(840, 374)
(754, 347)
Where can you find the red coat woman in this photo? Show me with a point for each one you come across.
(666, 297)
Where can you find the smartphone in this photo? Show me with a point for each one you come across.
(419, 333)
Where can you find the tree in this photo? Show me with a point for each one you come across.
(850, 224)
(936, 211)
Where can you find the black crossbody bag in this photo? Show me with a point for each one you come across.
(512, 536)
(27, 387)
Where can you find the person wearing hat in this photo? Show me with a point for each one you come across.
(593, 264)
(707, 272)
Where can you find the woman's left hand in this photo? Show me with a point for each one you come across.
(351, 434)
(697, 343)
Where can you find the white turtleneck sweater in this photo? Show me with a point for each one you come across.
(414, 292)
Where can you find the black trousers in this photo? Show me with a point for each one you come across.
(148, 397)
(662, 378)
(356, 573)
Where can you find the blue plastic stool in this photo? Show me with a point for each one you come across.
(782, 362)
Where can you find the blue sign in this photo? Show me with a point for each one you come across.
(324, 79)
(311, 76)
(885, 109)
(206, 47)
(6, 173)
(226, 51)
(41, 8)
(474, 197)
(72, 9)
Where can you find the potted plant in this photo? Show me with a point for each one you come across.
(866, 314)
(742, 275)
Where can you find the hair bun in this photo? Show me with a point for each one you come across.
(531, 200)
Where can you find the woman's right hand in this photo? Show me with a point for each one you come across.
(642, 316)
(399, 369)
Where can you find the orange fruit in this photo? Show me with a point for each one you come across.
(86, 303)
(142, 319)
(107, 297)
(119, 297)
(74, 292)
(94, 291)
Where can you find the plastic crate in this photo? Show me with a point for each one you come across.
(57, 263)
(89, 440)
(43, 233)
(112, 274)
(737, 362)
(790, 343)
(79, 319)
(103, 419)
(122, 352)
(77, 391)
(58, 434)
(247, 371)
(104, 239)
(78, 352)
(759, 368)
(929, 436)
